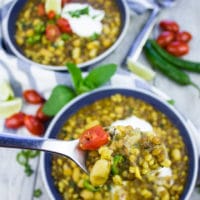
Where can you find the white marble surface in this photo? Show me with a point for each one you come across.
(14, 185)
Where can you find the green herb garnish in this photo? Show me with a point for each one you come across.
(95, 36)
(33, 39)
(95, 78)
(62, 94)
(78, 13)
(117, 160)
(39, 28)
(171, 101)
(23, 158)
(37, 193)
(65, 37)
(87, 185)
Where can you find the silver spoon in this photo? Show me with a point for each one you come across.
(156, 6)
(69, 149)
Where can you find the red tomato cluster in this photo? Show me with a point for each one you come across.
(34, 123)
(59, 25)
(172, 39)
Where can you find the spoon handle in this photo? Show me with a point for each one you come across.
(36, 143)
(67, 148)
(141, 38)
(15, 141)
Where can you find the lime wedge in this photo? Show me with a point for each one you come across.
(54, 5)
(141, 70)
(8, 108)
(6, 91)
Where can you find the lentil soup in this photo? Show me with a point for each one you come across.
(50, 38)
(125, 181)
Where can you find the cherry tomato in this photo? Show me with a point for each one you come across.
(165, 38)
(64, 25)
(40, 10)
(51, 14)
(15, 121)
(64, 2)
(177, 48)
(183, 36)
(169, 25)
(52, 32)
(33, 97)
(93, 138)
(41, 116)
(34, 125)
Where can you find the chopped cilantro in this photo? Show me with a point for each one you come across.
(65, 37)
(95, 36)
(78, 13)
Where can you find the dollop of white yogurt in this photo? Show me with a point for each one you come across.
(135, 122)
(85, 25)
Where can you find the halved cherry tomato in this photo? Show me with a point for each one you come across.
(177, 48)
(165, 38)
(41, 116)
(34, 125)
(168, 25)
(15, 121)
(52, 32)
(64, 2)
(51, 14)
(40, 10)
(93, 138)
(33, 97)
(64, 25)
(183, 36)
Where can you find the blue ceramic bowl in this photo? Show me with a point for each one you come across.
(89, 98)
(9, 35)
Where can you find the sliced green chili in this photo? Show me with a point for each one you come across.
(117, 160)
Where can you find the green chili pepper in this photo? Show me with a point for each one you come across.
(167, 68)
(180, 63)
(87, 185)
(37, 193)
(117, 160)
(23, 158)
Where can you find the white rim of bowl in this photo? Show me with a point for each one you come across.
(82, 65)
(170, 107)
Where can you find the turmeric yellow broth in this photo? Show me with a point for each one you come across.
(135, 168)
(52, 38)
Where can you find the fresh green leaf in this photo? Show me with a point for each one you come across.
(79, 12)
(83, 88)
(100, 75)
(75, 74)
(60, 95)
(37, 193)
